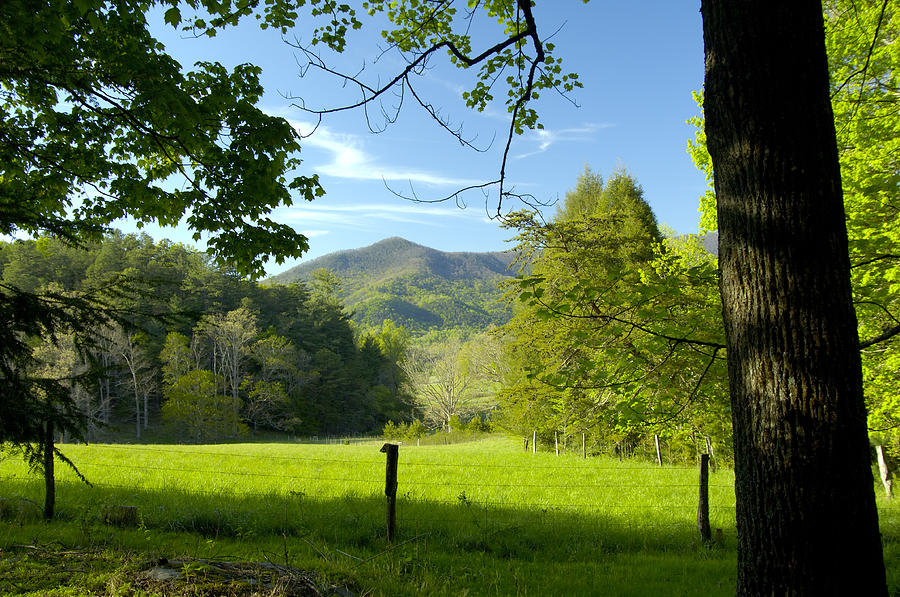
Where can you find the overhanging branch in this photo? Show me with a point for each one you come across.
(530, 76)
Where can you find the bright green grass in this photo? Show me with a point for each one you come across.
(481, 518)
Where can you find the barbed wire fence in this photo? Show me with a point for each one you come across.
(334, 492)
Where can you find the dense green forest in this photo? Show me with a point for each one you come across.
(206, 355)
(201, 350)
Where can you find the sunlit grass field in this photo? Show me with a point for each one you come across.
(480, 518)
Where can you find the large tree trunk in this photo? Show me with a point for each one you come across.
(807, 523)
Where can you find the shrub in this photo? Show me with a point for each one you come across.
(416, 429)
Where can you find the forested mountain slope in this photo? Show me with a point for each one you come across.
(418, 287)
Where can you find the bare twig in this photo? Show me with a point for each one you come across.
(529, 67)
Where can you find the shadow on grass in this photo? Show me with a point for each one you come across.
(441, 548)
(465, 525)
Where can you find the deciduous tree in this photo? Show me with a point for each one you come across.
(129, 349)
(194, 407)
(96, 117)
(791, 331)
(618, 327)
(861, 39)
(176, 357)
(442, 382)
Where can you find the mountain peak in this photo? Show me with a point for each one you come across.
(417, 286)
(395, 240)
(396, 255)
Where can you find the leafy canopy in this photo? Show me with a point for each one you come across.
(97, 123)
(616, 326)
(864, 59)
(864, 64)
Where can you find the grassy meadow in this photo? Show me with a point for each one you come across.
(480, 518)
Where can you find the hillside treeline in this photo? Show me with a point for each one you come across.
(199, 350)
(421, 302)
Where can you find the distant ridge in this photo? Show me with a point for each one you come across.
(419, 287)
(398, 256)
(711, 242)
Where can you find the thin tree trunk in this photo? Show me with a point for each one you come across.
(214, 370)
(105, 397)
(235, 397)
(137, 401)
(807, 523)
(49, 473)
(885, 470)
(103, 389)
(107, 409)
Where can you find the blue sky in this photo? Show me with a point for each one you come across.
(638, 61)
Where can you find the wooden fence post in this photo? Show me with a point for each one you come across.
(885, 471)
(390, 486)
(703, 507)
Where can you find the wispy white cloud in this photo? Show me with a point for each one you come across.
(314, 233)
(543, 139)
(367, 216)
(350, 160)
(442, 210)
(456, 89)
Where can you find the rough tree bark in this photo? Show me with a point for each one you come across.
(807, 523)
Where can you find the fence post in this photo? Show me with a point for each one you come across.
(534, 442)
(658, 455)
(556, 443)
(390, 486)
(703, 507)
